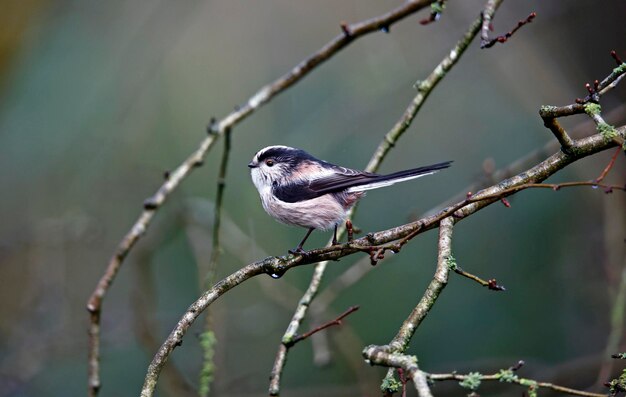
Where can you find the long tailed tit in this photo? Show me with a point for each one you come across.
(298, 189)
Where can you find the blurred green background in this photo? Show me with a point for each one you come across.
(98, 99)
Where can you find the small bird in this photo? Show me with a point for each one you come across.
(299, 189)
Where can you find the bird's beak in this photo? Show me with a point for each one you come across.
(252, 164)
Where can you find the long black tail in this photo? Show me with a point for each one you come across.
(378, 181)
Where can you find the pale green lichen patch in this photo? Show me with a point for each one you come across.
(451, 262)
(532, 386)
(620, 69)
(437, 7)
(607, 131)
(592, 108)
(618, 384)
(390, 385)
(547, 109)
(207, 341)
(472, 381)
(507, 375)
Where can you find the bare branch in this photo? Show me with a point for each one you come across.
(336, 321)
(492, 284)
(219, 198)
(424, 88)
(437, 284)
(216, 129)
(609, 166)
(487, 43)
(508, 376)
(279, 265)
(207, 337)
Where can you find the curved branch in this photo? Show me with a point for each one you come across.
(279, 265)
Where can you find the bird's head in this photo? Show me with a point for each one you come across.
(277, 164)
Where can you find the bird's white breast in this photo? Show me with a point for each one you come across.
(322, 212)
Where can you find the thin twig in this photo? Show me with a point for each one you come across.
(492, 284)
(607, 84)
(216, 129)
(553, 186)
(513, 379)
(208, 345)
(609, 166)
(219, 198)
(424, 88)
(358, 270)
(378, 252)
(336, 321)
(516, 166)
(487, 43)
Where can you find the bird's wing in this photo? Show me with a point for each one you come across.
(309, 189)
(350, 180)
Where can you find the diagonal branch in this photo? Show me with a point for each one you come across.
(279, 265)
(401, 341)
(336, 321)
(358, 270)
(425, 87)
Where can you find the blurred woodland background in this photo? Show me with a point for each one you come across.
(99, 99)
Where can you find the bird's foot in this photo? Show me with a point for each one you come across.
(297, 251)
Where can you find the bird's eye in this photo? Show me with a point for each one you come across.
(269, 162)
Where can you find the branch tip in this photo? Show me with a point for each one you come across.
(345, 28)
(350, 230)
(616, 57)
(485, 43)
(212, 129)
(436, 9)
(493, 285)
(517, 366)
